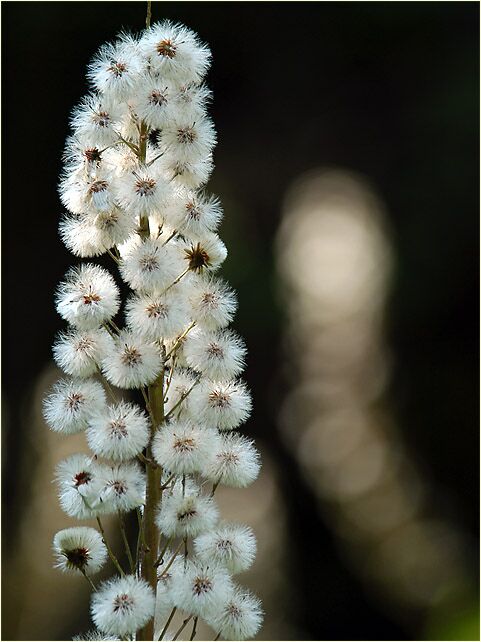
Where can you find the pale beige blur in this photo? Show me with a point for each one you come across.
(335, 262)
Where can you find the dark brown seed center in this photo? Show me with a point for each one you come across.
(202, 585)
(77, 557)
(166, 48)
(82, 478)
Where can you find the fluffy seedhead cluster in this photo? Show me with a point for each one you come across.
(136, 164)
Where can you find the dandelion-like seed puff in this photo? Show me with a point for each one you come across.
(133, 185)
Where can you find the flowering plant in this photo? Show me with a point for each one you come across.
(135, 166)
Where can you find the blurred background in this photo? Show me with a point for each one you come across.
(348, 168)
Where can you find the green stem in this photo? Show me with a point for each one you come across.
(179, 340)
(184, 624)
(171, 561)
(152, 500)
(88, 579)
(126, 543)
(109, 550)
(164, 630)
(158, 561)
(149, 14)
(184, 396)
(194, 628)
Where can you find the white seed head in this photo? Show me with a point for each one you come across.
(201, 590)
(131, 362)
(186, 513)
(88, 297)
(79, 549)
(219, 355)
(79, 484)
(175, 52)
(151, 266)
(158, 317)
(142, 191)
(221, 405)
(204, 254)
(122, 605)
(118, 432)
(239, 617)
(229, 545)
(116, 68)
(71, 403)
(79, 352)
(235, 462)
(123, 487)
(182, 447)
(213, 303)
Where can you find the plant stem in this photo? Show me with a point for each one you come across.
(88, 579)
(184, 396)
(184, 624)
(164, 630)
(158, 561)
(126, 543)
(152, 500)
(171, 561)
(179, 340)
(217, 637)
(149, 14)
(194, 628)
(181, 276)
(109, 550)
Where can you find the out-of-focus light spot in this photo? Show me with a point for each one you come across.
(335, 262)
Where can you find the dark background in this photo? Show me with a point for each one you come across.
(389, 90)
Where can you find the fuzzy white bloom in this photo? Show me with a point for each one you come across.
(123, 488)
(116, 68)
(79, 549)
(71, 403)
(142, 191)
(93, 233)
(93, 635)
(218, 355)
(235, 462)
(79, 484)
(194, 213)
(79, 352)
(76, 233)
(239, 616)
(151, 266)
(123, 605)
(201, 590)
(213, 303)
(221, 405)
(140, 151)
(94, 120)
(183, 448)
(80, 156)
(190, 175)
(175, 53)
(178, 394)
(189, 100)
(131, 362)
(186, 513)
(87, 297)
(207, 253)
(155, 102)
(188, 141)
(157, 317)
(229, 545)
(118, 432)
(81, 193)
